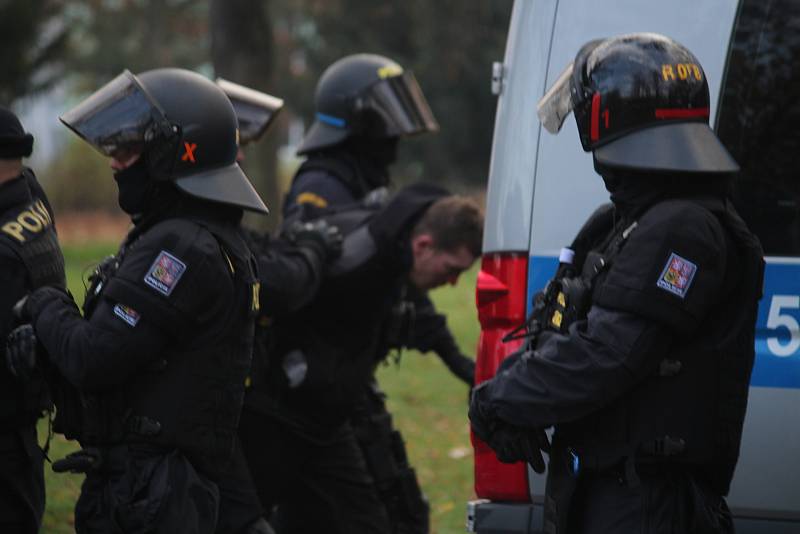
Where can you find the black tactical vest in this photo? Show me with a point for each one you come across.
(188, 399)
(29, 232)
(691, 412)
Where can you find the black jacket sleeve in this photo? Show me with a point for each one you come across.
(290, 274)
(96, 354)
(431, 333)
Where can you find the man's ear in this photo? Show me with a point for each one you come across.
(421, 243)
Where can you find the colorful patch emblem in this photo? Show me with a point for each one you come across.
(677, 275)
(127, 314)
(165, 272)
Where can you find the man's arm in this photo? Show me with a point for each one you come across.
(430, 333)
(572, 375)
(94, 354)
(290, 274)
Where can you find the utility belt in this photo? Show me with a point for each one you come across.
(651, 458)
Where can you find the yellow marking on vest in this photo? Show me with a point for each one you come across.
(556, 320)
(312, 198)
(30, 221)
(40, 208)
(230, 264)
(256, 291)
(562, 299)
(14, 229)
(389, 71)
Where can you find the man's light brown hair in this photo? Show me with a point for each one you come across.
(453, 222)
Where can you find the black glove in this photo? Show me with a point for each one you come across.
(510, 443)
(317, 235)
(21, 352)
(28, 307)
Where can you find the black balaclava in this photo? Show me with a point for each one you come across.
(633, 191)
(136, 187)
(374, 155)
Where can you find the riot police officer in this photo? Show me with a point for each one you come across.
(161, 354)
(29, 258)
(645, 340)
(365, 103)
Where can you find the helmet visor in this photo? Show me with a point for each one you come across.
(118, 119)
(254, 110)
(556, 103)
(401, 104)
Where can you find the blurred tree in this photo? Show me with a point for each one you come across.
(33, 45)
(242, 51)
(109, 36)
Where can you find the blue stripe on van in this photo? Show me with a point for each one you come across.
(781, 280)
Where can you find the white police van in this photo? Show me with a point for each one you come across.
(543, 187)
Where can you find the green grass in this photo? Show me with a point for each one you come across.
(428, 403)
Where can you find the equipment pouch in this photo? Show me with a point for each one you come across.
(163, 494)
(561, 486)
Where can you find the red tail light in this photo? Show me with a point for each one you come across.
(500, 296)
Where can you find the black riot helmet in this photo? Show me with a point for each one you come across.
(366, 95)
(641, 102)
(255, 110)
(182, 125)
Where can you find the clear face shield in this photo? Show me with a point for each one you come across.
(254, 110)
(556, 104)
(119, 118)
(401, 103)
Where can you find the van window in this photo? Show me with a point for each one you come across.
(759, 120)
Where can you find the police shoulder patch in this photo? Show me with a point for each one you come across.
(677, 275)
(127, 314)
(165, 273)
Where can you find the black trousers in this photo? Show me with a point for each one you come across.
(21, 481)
(317, 485)
(387, 461)
(669, 501)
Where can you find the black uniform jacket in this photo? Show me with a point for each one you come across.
(678, 290)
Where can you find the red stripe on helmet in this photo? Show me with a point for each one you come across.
(595, 133)
(682, 113)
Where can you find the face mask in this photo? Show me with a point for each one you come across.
(134, 187)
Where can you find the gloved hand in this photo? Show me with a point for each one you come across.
(318, 235)
(28, 307)
(21, 352)
(510, 443)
